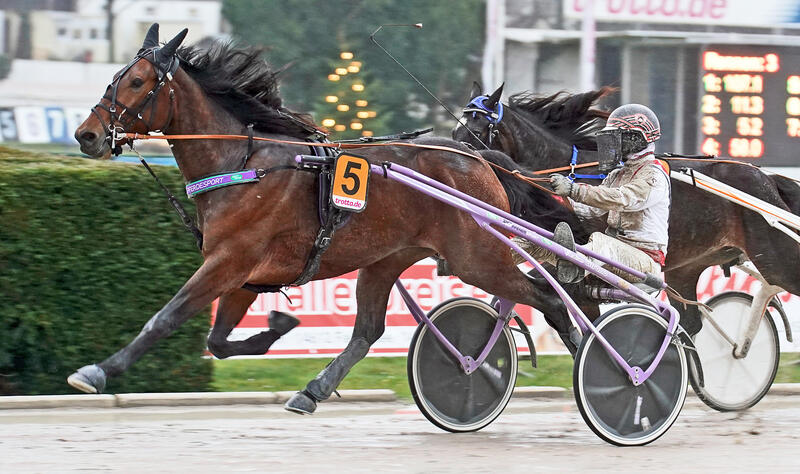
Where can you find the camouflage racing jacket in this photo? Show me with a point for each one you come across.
(636, 198)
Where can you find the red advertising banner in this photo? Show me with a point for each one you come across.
(327, 311)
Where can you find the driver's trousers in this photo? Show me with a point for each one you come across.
(604, 245)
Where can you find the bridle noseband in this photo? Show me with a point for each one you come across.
(494, 116)
(116, 125)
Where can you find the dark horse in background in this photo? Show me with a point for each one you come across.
(539, 132)
(262, 233)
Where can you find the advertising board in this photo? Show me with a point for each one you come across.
(327, 311)
(768, 13)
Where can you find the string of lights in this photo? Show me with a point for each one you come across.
(346, 105)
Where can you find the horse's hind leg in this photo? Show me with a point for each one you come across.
(232, 307)
(372, 294)
(684, 281)
(209, 281)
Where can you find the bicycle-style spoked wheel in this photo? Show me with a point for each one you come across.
(615, 409)
(733, 383)
(444, 393)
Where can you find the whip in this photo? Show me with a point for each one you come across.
(419, 26)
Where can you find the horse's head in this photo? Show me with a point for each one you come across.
(481, 117)
(139, 98)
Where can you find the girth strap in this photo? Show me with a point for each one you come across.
(321, 244)
(331, 219)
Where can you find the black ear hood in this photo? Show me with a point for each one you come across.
(163, 58)
(494, 99)
(151, 39)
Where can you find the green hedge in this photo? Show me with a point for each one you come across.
(89, 251)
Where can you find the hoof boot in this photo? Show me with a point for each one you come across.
(282, 322)
(301, 403)
(89, 379)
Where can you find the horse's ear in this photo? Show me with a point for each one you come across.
(495, 97)
(475, 91)
(169, 49)
(151, 39)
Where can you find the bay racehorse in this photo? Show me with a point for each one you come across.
(262, 233)
(542, 132)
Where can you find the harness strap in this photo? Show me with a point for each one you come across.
(321, 244)
(572, 165)
(263, 288)
(395, 136)
(249, 145)
(331, 219)
(188, 222)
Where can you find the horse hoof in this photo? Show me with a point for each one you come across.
(89, 379)
(282, 322)
(301, 403)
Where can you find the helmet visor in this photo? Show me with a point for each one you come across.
(609, 149)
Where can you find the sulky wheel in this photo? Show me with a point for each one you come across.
(444, 393)
(734, 383)
(611, 405)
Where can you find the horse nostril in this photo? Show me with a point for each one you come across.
(88, 137)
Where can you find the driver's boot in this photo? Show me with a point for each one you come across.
(566, 271)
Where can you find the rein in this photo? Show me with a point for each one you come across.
(335, 145)
(344, 146)
(494, 116)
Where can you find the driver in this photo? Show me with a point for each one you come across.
(635, 196)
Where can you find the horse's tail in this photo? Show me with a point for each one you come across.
(789, 191)
(531, 203)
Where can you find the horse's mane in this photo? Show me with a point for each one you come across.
(241, 81)
(570, 117)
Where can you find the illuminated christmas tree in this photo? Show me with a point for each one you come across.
(345, 110)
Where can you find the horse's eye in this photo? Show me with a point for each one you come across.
(137, 82)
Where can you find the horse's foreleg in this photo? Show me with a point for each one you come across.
(208, 282)
(232, 307)
(372, 293)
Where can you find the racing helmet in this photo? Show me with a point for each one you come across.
(629, 129)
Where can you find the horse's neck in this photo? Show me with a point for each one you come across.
(197, 114)
(534, 148)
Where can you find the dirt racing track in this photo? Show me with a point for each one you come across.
(532, 435)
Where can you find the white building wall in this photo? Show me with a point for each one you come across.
(202, 18)
(67, 36)
(63, 83)
(81, 35)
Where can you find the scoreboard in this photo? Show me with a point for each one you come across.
(750, 104)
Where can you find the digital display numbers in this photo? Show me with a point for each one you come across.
(750, 103)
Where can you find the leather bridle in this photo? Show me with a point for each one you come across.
(120, 123)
